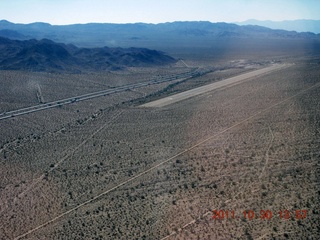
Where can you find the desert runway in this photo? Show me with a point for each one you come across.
(213, 86)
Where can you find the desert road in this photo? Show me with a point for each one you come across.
(14, 113)
(213, 86)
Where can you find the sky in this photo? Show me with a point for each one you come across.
(61, 12)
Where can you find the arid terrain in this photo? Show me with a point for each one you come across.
(108, 168)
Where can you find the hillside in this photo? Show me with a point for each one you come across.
(46, 55)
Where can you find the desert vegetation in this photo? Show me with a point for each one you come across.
(107, 168)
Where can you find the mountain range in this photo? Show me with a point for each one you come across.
(141, 34)
(106, 46)
(290, 25)
(46, 55)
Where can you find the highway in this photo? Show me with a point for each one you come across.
(40, 107)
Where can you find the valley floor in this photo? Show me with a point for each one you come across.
(109, 169)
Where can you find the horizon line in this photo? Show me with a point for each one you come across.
(157, 23)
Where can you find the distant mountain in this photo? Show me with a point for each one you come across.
(46, 55)
(146, 35)
(294, 25)
(193, 40)
(12, 34)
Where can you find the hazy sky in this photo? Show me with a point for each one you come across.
(155, 11)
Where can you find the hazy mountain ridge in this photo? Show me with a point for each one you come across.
(46, 55)
(289, 25)
(129, 44)
(127, 35)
